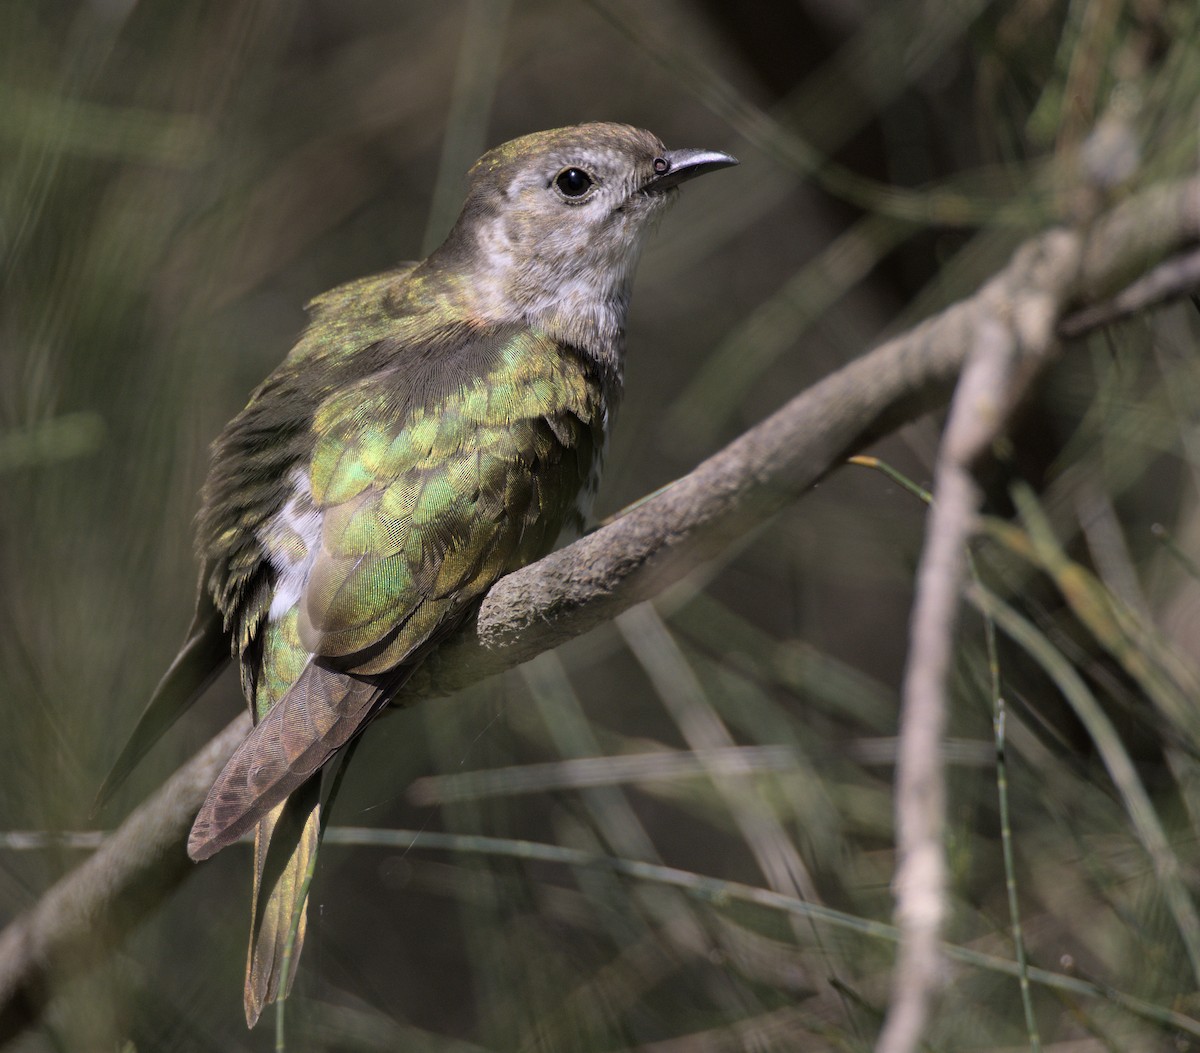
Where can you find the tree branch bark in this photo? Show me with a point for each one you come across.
(1014, 335)
(630, 560)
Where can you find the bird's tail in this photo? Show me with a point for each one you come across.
(285, 852)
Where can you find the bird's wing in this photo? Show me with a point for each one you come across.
(427, 482)
(202, 657)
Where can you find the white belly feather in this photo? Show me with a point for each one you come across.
(292, 539)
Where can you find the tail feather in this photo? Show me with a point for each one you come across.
(204, 654)
(322, 711)
(285, 851)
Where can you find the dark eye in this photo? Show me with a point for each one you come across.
(573, 182)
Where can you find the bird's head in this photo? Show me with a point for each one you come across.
(554, 221)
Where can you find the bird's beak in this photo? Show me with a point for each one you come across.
(672, 167)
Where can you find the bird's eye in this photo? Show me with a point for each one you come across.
(573, 182)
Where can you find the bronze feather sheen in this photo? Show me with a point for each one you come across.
(434, 428)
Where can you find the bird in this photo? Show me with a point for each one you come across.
(433, 428)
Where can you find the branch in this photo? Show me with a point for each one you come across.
(93, 906)
(698, 516)
(1170, 280)
(631, 560)
(1014, 335)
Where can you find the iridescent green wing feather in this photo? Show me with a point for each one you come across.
(456, 462)
(254, 456)
(419, 520)
(244, 490)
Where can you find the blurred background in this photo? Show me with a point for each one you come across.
(178, 179)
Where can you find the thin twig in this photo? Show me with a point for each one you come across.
(920, 790)
(684, 698)
(578, 772)
(719, 892)
(1171, 280)
(999, 722)
(1013, 333)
